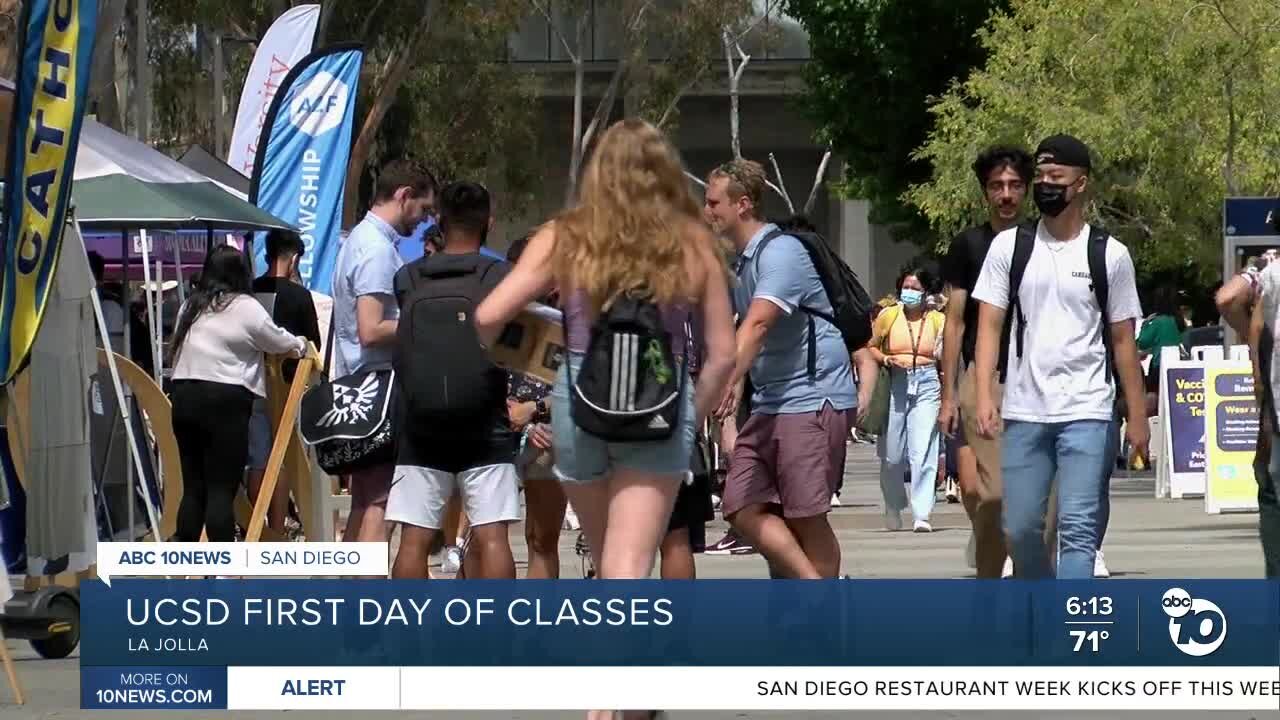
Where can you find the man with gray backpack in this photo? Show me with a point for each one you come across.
(1065, 292)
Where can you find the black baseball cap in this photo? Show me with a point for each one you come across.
(1063, 150)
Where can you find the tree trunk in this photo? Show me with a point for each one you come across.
(123, 80)
(327, 8)
(396, 70)
(102, 78)
(10, 16)
(142, 70)
(575, 153)
(781, 188)
(735, 76)
(818, 179)
(278, 8)
(606, 104)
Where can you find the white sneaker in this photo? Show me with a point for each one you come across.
(452, 561)
(571, 520)
(1008, 568)
(1100, 566)
(922, 526)
(892, 519)
(835, 501)
(971, 552)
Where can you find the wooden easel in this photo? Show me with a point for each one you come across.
(286, 446)
(11, 671)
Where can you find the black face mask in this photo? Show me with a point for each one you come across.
(1050, 198)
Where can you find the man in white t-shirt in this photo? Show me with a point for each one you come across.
(1060, 385)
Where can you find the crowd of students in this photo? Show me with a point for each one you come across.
(1035, 372)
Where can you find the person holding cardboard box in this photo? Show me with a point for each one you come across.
(529, 404)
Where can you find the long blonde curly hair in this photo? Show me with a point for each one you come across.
(629, 230)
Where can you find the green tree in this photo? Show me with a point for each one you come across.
(875, 65)
(464, 111)
(1176, 98)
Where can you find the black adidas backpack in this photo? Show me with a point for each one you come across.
(1024, 245)
(851, 305)
(629, 386)
(446, 378)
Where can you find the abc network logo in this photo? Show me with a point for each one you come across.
(319, 107)
(1196, 626)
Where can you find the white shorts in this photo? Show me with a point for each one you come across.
(490, 494)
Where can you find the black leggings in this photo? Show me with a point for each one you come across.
(211, 425)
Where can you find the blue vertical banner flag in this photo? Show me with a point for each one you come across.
(51, 86)
(301, 168)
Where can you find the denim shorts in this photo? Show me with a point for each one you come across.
(581, 457)
(260, 438)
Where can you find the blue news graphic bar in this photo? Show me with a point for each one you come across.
(759, 623)
(153, 688)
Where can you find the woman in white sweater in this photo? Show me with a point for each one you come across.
(217, 372)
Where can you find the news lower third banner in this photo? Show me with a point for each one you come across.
(709, 644)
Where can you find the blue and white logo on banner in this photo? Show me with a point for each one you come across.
(301, 171)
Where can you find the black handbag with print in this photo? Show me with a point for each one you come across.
(350, 421)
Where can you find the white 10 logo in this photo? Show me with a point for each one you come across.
(1197, 626)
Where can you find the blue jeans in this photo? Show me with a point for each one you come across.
(1032, 455)
(911, 438)
(1114, 433)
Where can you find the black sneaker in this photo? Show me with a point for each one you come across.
(731, 544)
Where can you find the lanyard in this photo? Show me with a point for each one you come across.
(915, 341)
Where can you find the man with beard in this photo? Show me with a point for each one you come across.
(1004, 173)
(366, 316)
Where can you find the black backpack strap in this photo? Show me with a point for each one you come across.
(809, 312)
(328, 348)
(1098, 238)
(1024, 245)
(764, 242)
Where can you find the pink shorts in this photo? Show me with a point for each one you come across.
(371, 487)
(793, 461)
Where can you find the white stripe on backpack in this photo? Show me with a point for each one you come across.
(615, 374)
(625, 372)
(633, 382)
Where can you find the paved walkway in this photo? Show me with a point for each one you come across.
(1148, 538)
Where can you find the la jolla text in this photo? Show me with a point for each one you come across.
(338, 612)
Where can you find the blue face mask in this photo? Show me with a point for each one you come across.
(911, 298)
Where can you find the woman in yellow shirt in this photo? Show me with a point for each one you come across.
(907, 339)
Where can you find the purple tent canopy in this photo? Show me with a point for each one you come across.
(192, 247)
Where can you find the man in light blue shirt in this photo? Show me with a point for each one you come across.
(365, 314)
(789, 455)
